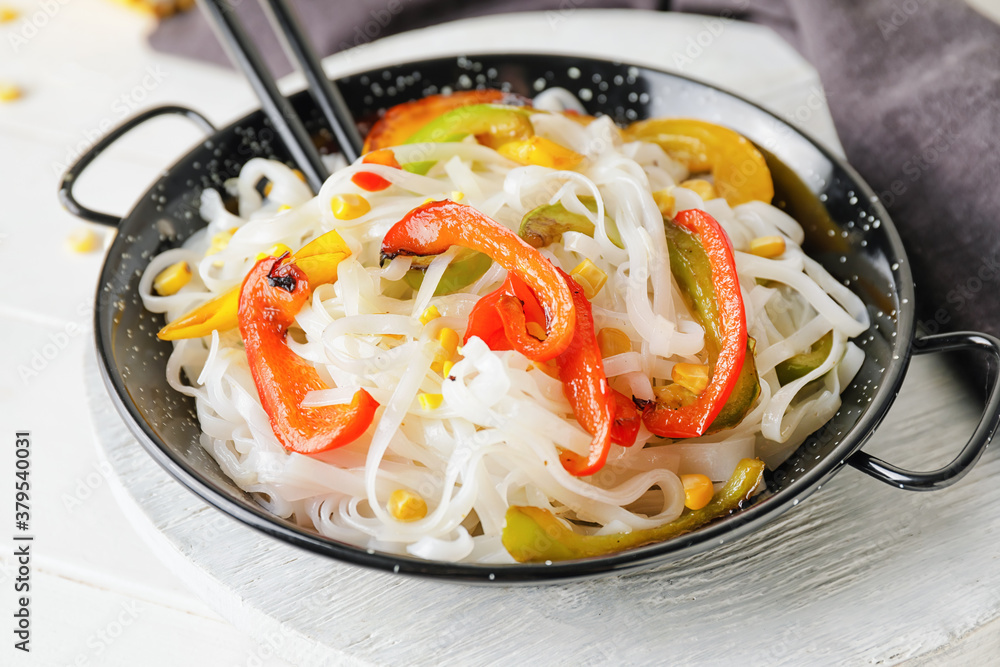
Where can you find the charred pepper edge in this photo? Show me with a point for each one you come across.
(318, 259)
(264, 321)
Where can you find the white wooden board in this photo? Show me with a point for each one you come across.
(859, 573)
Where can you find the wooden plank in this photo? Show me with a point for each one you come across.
(78, 624)
(81, 532)
(859, 572)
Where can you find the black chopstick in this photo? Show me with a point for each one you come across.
(278, 109)
(324, 92)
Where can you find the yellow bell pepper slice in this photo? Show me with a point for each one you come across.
(318, 259)
(738, 168)
(542, 152)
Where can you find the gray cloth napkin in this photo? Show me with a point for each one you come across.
(914, 89)
(337, 25)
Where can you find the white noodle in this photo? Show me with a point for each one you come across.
(495, 440)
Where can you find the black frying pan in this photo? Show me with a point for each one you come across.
(847, 230)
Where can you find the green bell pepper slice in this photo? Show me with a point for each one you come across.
(692, 270)
(533, 535)
(547, 223)
(468, 267)
(495, 124)
(793, 368)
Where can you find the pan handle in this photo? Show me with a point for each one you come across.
(73, 173)
(961, 464)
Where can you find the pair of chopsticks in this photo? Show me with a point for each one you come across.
(278, 109)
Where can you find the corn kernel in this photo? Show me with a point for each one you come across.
(406, 506)
(613, 341)
(159, 9)
(277, 250)
(693, 377)
(268, 187)
(430, 401)
(300, 175)
(431, 313)
(82, 240)
(701, 187)
(444, 359)
(590, 277)
(449, 340)
(698, 491)
(9, 92)
(540, 151)
(673, 396)
(536, 330)
(172, 278)
(768, 246)
(220, 241)
(284, 207)
(349, 207)
(664, 201)
(457, 196)
(8, 14)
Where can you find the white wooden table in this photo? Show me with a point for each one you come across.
(130, 569)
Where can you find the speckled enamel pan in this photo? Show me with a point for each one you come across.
(847, 230)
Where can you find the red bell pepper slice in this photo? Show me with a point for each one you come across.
(370, 181)
(434, 227)
(581, 370)
(485, 320)
(606, 414)
(272, 293)
(727, 328)
(628, 419)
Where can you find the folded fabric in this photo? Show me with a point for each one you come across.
(337, 26)
(914, 89)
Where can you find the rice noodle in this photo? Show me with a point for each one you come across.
(496, 438)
